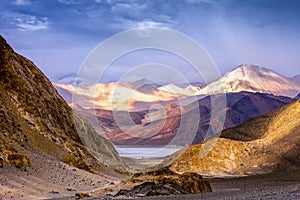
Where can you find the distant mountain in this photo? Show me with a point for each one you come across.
(150, 82)
(143, 94)
(130, 96)
(296, 79)
(297, 97)
(36, 120)
(265, 144)
(176, 90)
(189, 90)
(72, 79)
(253, 78)
(163, 125)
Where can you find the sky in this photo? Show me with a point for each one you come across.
(58, 35)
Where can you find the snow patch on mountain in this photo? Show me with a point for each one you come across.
(252, 78)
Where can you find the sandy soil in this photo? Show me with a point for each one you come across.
(49, 178)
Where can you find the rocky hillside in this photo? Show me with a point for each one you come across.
(161, 127)
(36, 120)
(264, 144)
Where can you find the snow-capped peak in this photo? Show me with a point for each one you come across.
(253, 79)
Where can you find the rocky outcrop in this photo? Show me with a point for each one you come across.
(148, 189)
(165, 182)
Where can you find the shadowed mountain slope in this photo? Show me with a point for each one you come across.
(161, 127)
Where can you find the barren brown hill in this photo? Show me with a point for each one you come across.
(34, 119)
(265, 144)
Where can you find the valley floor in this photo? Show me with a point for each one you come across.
(283, 185)
(66, 181)
(48, 179)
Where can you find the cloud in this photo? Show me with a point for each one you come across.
(201, 1)
(126, 24)
(151, 24)
(227, 29)
(69, 2)
(134, 7)
(31, 23)
(139, 14)
(22, 2)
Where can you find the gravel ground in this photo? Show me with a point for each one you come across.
(53, 180)
(291, 192)
(283, 185)
(48, 178)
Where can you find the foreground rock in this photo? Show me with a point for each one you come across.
(165, 182)
(152, 189)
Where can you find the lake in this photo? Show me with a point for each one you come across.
(146, 152)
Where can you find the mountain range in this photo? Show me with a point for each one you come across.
(173, 125)
(140, 95)
(251, 91)
(262, 145)
(115, 96)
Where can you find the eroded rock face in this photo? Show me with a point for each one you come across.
(35, 118)
(165, 182)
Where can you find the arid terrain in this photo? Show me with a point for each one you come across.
(283, 185)
(261, 145)
(280, 185)
(49, 178)
(46, 150)
(49, 151)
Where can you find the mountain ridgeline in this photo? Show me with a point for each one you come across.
(172, 125)
(250, 90)
(36, 120)
(253, 78)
